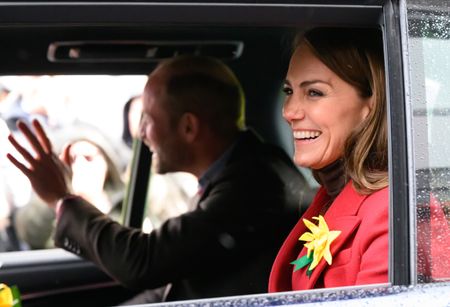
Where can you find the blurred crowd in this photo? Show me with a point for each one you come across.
(71, 108)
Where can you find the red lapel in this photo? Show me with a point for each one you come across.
(340, 216)
(280, 276)
(347, 225)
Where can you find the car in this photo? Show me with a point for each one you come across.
(105, 49)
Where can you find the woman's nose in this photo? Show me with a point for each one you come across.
(293, 110)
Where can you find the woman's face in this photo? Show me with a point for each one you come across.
(321, 108)
(89, 168)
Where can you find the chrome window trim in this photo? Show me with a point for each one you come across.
(399, 211)
(410, 142)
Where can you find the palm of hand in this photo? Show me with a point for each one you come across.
(48, 175)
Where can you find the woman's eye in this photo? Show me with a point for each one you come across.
(315, 93)
(287, 91)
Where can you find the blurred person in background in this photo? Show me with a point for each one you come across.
(95, 174)
(59, 102)
(15, 189)
(132, 111)
(11, 108)
(21, 98)
(8, 237)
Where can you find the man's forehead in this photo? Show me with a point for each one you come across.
(160, 71)
(155, 87)
(155, 82)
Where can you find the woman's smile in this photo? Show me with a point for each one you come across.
(306, 136)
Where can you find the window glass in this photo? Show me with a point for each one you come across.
(429, 51)
(87, 112)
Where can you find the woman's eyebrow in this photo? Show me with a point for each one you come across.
(310, 82)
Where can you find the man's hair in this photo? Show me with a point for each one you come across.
(207, 88)
(356, 56)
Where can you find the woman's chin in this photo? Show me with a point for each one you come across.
(303, 162)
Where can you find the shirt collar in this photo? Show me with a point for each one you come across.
(217, 166)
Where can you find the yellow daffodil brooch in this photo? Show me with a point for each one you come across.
(318, 245)
(9, 297)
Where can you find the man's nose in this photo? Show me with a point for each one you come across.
(141, 128)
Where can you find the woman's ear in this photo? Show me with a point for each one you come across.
(188, 126)
(369, 103)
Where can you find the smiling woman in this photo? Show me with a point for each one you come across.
(335, 104)
(322, 108)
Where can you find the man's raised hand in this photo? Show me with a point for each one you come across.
(48, 175)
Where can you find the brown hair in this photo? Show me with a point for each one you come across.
(207, 88)
(356, 56)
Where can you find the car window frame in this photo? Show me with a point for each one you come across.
(401, 268)
(391, 14)
(400, 142)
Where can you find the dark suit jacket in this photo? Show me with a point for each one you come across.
(226, 246)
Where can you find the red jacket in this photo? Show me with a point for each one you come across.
(433, 241)
(360, 252)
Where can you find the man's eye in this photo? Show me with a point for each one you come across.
(315, 93)
(287, 91)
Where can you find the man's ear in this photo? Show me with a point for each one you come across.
(189, 127)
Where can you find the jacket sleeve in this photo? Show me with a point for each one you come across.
(236, 219)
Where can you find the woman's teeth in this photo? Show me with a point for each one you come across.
(306, 135)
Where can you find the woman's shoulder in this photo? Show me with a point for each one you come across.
(376, 203)
(382, 194)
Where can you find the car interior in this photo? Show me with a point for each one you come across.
(119, 39)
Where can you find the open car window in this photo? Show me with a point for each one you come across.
(71, 109)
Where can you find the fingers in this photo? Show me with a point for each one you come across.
(42, 136)
(65, 155)
(19, 165)
(29, 135)
(21, 149)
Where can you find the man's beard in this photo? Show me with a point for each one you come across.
(156, 164)
(160, 166)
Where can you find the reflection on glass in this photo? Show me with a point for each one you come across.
(429, 47)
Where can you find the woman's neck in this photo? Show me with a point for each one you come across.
(332, 178)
